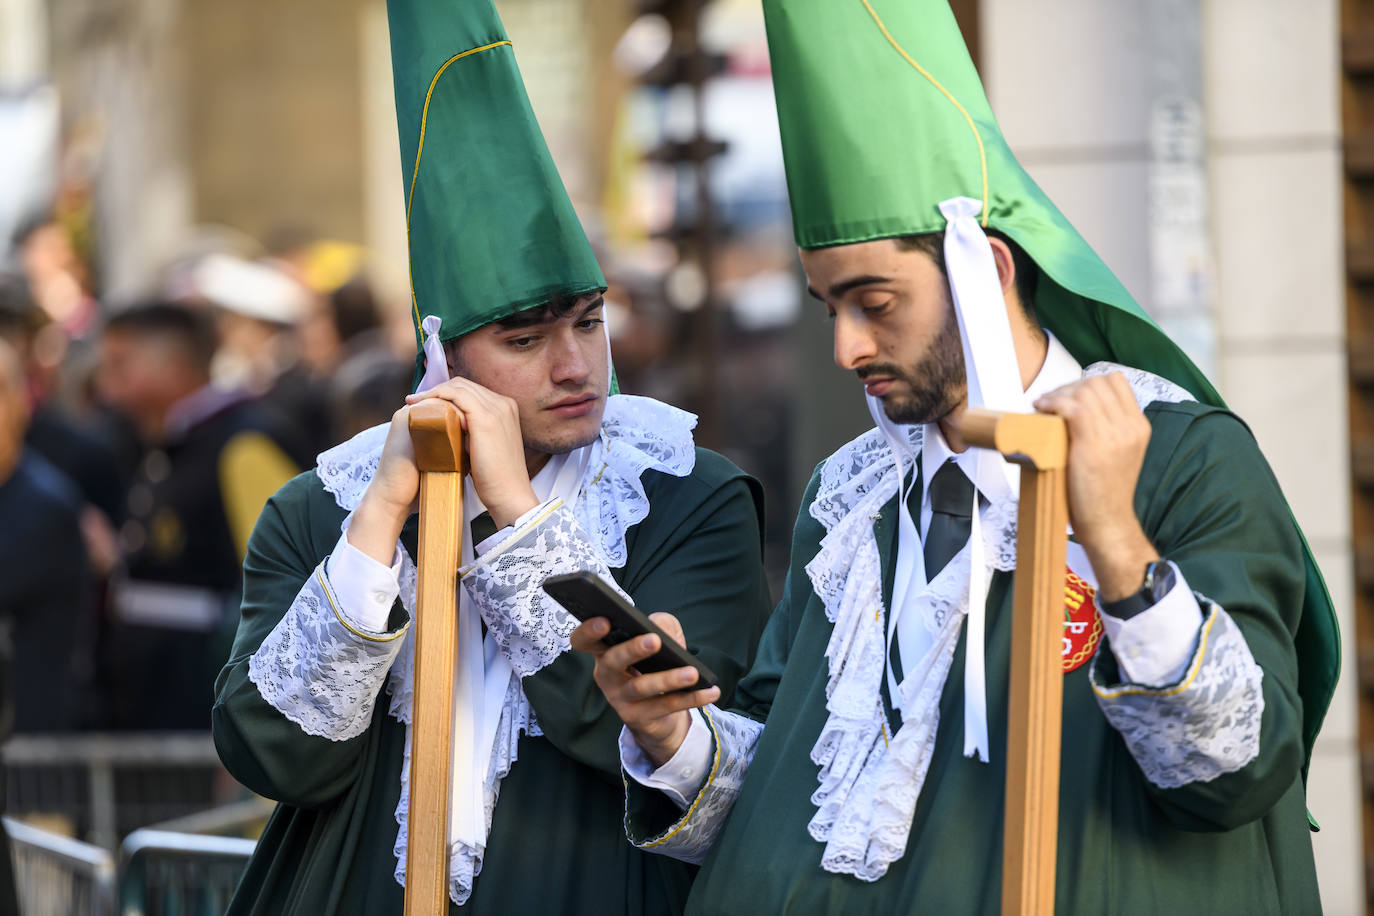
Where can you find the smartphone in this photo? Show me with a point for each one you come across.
(585, 596)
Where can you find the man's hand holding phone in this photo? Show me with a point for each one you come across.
(652, 706)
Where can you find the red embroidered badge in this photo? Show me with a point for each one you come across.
(1082, 626)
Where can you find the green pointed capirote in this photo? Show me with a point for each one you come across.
(490, 228)
(883, 117)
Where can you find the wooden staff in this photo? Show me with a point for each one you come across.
(438, 438)
(1039, 443)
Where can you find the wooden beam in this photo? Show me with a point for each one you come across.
(1039, 444)
(436, 434)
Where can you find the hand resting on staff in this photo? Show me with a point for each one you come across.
(496, 460)
(1108, 436)
(657, 717)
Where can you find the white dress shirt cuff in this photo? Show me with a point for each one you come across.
(365, 589)
(1155, 647)
(681, 776)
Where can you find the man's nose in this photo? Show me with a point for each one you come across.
(854, 344)
(570, 359)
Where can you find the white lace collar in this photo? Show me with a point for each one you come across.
(869, 782)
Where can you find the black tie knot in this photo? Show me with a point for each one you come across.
(951, 492)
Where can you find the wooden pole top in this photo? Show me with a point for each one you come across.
(1035, 439)
(436, 430)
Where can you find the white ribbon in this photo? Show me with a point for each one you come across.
(436, 364)
(994, 382)
(910, 562)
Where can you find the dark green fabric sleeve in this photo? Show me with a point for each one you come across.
(756, 691)
(699, 556)
(1214, 508)
(262, 748)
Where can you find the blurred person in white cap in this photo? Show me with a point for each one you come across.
(259, 310)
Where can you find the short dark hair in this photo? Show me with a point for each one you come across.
(555, 308)
(1027, 271)
(558, 307)
(355, 308)
(193, 328)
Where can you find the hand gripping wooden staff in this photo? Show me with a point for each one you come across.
(437, 435)
(1039, 443)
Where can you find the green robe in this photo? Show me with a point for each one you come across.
(1238, 843)
(556, 843)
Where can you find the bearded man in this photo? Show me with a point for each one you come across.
(862, 766)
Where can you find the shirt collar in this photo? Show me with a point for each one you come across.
(1059, 368)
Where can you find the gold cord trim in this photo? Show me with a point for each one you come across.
(420, 148)
(329, 596)
(535, 522)
(687, 816)
(1128, 690)
(982, 154)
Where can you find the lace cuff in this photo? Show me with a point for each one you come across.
(1204, 726)
(530, 627)
(693, 835)
(320, 671)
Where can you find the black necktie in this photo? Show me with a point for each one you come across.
(482, 528)
(951, 519)
(951, 504)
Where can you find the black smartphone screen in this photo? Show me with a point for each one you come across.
(585, 596)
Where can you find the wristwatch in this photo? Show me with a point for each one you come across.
(1159, 580)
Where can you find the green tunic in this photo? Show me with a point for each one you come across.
(1238, 843)
(556, 843)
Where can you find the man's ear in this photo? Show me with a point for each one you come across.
(1006, 267)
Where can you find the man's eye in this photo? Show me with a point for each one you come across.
(587, 324)
(520, 343)
(875, 302)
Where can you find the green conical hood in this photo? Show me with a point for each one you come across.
(491, 229)
(883, 117)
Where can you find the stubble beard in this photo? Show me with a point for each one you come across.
(936, 385)
(561, 441)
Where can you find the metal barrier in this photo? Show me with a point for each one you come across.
(180, 874)
(58, 876)
(103, 786)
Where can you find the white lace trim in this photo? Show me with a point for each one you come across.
(868, 783)
(1205, 726)
(318, 671)
(693, 835)
(346, 469)
(504, 585)
(637, 434)
(465, 861)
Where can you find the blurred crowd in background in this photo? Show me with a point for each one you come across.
(139, 444)
(155, 395)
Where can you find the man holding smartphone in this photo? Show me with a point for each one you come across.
(863, 766)
(565, 475)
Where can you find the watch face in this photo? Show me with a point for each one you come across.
(1159, 579)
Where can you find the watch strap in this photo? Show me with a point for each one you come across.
(1159, 581)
